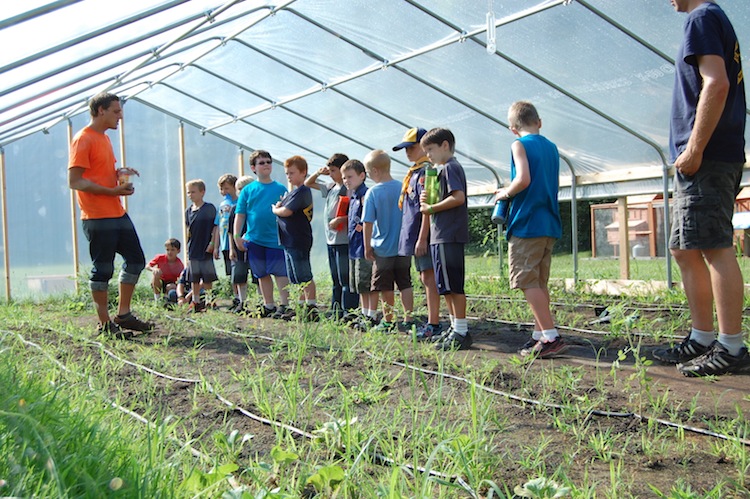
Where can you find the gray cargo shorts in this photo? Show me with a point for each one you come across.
(703, 205)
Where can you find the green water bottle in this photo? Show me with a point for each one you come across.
(431, 186)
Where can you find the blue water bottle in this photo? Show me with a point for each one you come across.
(500, 213)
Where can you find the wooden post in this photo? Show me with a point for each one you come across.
(74, 218)
(183, 179)
(6, 253)
(622, 214)
(123, 163)
(592, 211)
(241, 163)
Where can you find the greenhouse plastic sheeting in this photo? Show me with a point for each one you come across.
(313, 77)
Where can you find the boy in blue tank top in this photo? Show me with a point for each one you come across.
(533, 223)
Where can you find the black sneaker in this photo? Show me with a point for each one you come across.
(351, 317)
(679, 354)
(112, 329)
(236, 303)
(546, 349)
(280, 311)
(130, 321)
(311, 314)
(406, 326)
(264, 311)
(455, 341)
(527, 346)
(716, 361)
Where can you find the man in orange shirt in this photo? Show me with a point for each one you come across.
(108, 228)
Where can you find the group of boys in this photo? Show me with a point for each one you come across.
(372, 235)
(384, 227)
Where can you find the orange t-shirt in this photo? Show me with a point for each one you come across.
(92, 151)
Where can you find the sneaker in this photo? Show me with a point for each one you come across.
(130, 321)
(197, 307)
(235, 304)
(428, 331)
(364, 324)
(527, 346)
(546, 349)
(716, 361)
(352, 317)
(406, 326)
(112, 329)
(311, 314)
(264, 311)
(679, 354)
(385, 327)
(454, 341)
(280, 311)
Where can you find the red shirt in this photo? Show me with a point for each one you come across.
(170, 271)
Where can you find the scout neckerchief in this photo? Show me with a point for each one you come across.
(405, 185)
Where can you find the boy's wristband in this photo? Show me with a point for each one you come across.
(432, 212)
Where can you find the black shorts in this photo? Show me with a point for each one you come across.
(448, 264)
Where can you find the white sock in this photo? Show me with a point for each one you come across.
(732, 342)
(269, 306)
(372, 313)
(550, 334)
(366, 312)
(461, 327)
(311, 303)
(157, 297)
(242, 294)
(704, 338)
(536, 335)
(453, 321)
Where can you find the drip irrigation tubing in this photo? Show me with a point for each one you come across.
(377, 457)
(134, 415)
(631, 306)
(524, 400)
(593, 332)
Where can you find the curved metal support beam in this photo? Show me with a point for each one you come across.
(40, 11)
(75, 41)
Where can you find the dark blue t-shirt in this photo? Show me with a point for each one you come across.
(356, 238)
(709, 32)
(200, 224)
(295, 230)
(411, 220)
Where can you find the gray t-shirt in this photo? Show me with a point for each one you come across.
(331, 193)
(451, 226)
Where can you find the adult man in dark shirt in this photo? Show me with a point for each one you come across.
(707, 142)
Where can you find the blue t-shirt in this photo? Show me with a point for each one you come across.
(451, 226)
(356, 238)
(295, 230)
(535, 212)
(411, 220)
(200, 224)
(708, 32)
(255, 203)
(222, 220)
(381, 209)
